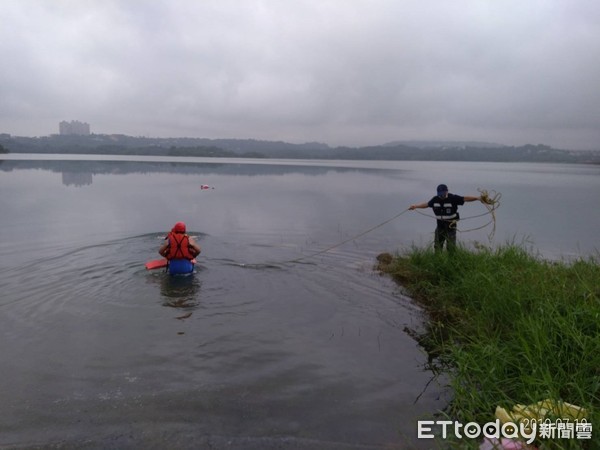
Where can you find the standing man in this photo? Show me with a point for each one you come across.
(445, 207)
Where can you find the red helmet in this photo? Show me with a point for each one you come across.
(179, 227)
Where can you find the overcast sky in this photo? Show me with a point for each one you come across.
(342, 72)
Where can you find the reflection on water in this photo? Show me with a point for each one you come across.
(77, 179)
(84, 170)
(181, 291)
(266, 352)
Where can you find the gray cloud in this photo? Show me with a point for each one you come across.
(342, 72)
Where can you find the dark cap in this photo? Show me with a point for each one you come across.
(442, 188)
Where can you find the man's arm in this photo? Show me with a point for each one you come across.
(421, 205)
(194, 248)
(163, 249)
(470, 198)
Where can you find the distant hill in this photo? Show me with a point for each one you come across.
(444, 144)
(251, 148)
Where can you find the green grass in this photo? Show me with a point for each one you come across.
(509, 328)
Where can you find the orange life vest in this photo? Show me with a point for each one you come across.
(179, 246)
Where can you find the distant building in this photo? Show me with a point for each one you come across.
(74, 127)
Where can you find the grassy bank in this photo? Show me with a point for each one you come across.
(509, 329)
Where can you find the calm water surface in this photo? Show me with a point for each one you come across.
(252, 351)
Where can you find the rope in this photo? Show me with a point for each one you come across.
(491, 202)
(339, 244)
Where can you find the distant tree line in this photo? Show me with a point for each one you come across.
(526, 153)
(250, 148)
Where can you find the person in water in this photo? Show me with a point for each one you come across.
(445, 207)
(180, 249)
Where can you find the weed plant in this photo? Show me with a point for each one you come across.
(509, 329)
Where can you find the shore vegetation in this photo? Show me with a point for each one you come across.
(508, 328)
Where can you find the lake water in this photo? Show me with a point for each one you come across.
(253, 350)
